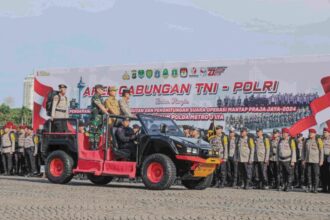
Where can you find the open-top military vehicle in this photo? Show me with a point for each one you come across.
(163, 155)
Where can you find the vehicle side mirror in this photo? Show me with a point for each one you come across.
(163, 128)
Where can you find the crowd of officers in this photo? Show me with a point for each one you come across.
(280, 162)
(19, 150)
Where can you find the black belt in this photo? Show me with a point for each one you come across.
(285, 158)
(6, 147)
(60, 110)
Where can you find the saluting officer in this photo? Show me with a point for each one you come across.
(261, 159)
(274, 169)
(30, 151)
(244, 157)
(8, 148)
(96, 119)
(325, 169)
(312, 160)
(287, 158)
(60, 109)
(124, 103)
(219, 144)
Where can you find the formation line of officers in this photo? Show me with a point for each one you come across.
(280, 162)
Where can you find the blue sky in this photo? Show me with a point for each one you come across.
(72, 33)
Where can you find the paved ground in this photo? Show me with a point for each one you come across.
(33, 198)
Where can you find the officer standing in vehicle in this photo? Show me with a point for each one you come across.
(96, 119)
(312, 160)
(244, 157)
(112, 104)
(325, 169)
(124, 103)
(60, 109)
(30, 151)
(287, 158)
(274, 169)
(231, 164)
(7, 148)
(219, 144)
(261, 159)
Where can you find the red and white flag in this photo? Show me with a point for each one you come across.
(40, 99)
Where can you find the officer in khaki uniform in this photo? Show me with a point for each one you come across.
(30, 150)
(60, 109)
(261, 159)
(244, 156)
(219, 144)
(112, 104)
(312, 159)
(274, 170)
(124, 103)
(231, 163)
(19, 154)
(287, 158)
(7, 148)
(325, 169)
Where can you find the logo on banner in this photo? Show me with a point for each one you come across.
(215, 71)
(193, 72)
(149, 73)
(165, 73)
(203, 71)
(126, 76)
(141, 74)
(133, 73)
(175, 73)
(183, 72)
(157, 74)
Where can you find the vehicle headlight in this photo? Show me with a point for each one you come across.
(189, 150)
(195, 151)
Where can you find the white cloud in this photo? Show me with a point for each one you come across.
(264, 14)
(179, 27)
(26, 8)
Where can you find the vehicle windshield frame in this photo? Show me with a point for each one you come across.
(142, 118)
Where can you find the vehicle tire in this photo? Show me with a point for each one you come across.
(199, 184)
(99, 180)
(158, 172)
(59, 167)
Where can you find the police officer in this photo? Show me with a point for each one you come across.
(96, 119)
(30, 151)
(124, 103)
(7, 148)
(325, 169)
(244, 157)
(287, 158)
(126, 137)
(274, 169)
(299, 168)
(219, 144)
(312, 160)
(261, 159)
(19, 154)
(2, 169)
(60, 109)
(231, 163)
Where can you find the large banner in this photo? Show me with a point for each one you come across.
(259, 93)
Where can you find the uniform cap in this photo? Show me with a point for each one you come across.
(126, 91)
(244, 129)
(62, 86)
(312, 131)
(285, 130)
(135, 126)
(326, 129)
(275, 131)
(219, 127)
(259, 129)
(98, 86)
(113, 88)
(81, 124)
(126, 119)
